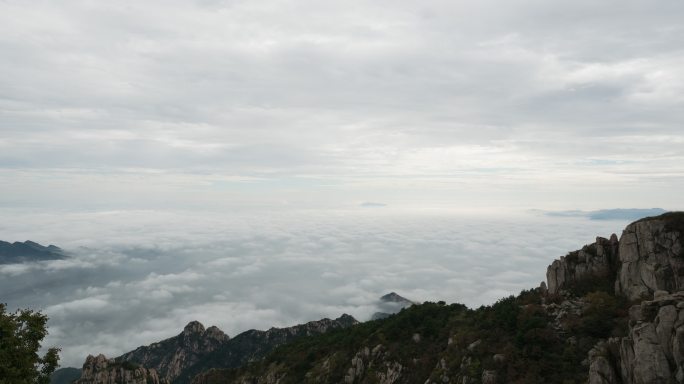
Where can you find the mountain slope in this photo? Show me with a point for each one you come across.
(195, 350)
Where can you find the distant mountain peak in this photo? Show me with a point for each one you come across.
(394, 297)
(28, 251)
(390, 304)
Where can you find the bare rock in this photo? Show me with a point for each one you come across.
(100, 370)
(598, 260)
(601, 371)
(651, 257)
(653, 351)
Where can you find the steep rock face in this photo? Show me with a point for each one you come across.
(172, 356)
(100, 370)
(648, 257)
(651, 257)
(653, 351)
(594, 261)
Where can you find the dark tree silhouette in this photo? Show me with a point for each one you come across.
(21, 333)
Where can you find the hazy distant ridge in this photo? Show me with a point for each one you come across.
(28, 251)
(611, 214)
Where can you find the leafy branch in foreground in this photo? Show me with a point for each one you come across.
(20, 335)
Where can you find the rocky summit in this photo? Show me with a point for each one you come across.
(611, 312)
(171, 357)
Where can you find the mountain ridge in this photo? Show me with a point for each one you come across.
(28, 251)
(179, 358)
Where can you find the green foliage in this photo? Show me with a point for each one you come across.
(588, 284)
(20, 336)
(517, 327)
(598, 320)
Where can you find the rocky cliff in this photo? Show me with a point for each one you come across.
(100, 370)
(649, 256)
(645, 266)
(598, 261)
(172, 356)
(653, 350)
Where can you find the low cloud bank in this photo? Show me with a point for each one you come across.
(139, 276)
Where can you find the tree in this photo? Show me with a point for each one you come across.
(20, 335)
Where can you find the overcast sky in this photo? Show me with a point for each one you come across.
(506, 104)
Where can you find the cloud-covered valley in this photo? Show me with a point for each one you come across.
(139, 276)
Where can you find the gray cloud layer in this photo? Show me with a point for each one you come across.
(440, 101)
(140, 276)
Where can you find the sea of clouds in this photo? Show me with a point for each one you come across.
(136, 277)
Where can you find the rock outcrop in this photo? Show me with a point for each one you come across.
(653, 351)
(100, 370)
(172, 356)
(594, 261)
(646, 264)
(651, 257)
